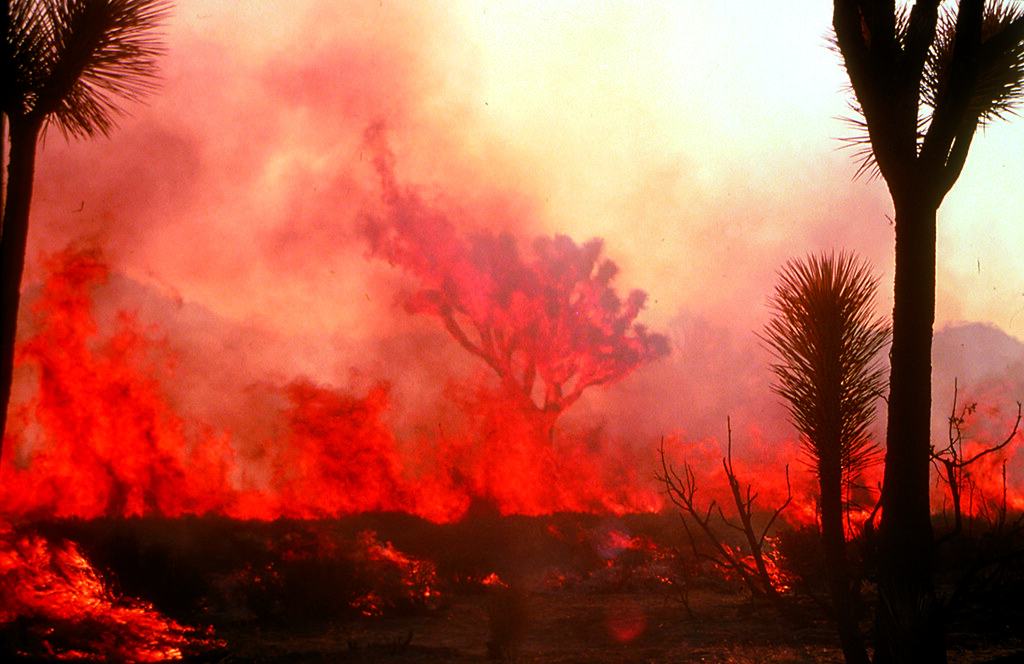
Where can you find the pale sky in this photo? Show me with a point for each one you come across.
(697, 138)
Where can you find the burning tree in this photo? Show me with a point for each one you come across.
(549, 324)
(757, 570)
(954, 461)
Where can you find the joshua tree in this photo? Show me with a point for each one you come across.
(64, 62)
(924, 76)
(826, 341)
(549, 323)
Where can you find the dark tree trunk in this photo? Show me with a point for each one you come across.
(24, 134)
(833, 535)
(908, 621)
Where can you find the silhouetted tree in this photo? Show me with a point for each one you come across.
(64, 63)
(549, 324)
(826, 341)
(924, 77)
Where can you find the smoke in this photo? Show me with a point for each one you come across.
(231, 208)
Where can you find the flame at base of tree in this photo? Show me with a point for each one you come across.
(96, 436)
(55, 605)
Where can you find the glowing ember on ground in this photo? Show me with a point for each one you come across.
(64, 610)
(414, 581)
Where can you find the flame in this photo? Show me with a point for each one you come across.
(414, 580)
(97, 436)
(985, 435)
(93, 433)
(73, 615)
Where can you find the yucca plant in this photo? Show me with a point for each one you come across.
(826, 340)
(65, 63)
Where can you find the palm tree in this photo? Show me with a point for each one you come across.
(826, 343)
(924, 77)
(65, 62)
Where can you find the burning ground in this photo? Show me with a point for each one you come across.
(393, 587)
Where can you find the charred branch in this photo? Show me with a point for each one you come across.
(952, 464)
(681, 490)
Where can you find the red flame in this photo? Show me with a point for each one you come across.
(415, 579)
(73, 615)
(97, 437)
(94, 434)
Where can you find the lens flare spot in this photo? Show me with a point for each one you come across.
(625, 621)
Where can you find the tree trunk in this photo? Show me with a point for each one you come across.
(24, 135)
(908, 621)
(833, 537)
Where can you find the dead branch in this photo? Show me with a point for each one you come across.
(682, 490)
(953, 465)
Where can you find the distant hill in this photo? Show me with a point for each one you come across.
(987, 367)
(973, 352)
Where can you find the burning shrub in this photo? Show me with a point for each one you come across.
(310, 574)
(53, 603)
(401, 583)
(800, 549)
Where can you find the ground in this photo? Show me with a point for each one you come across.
(564, 628)
(491, 588)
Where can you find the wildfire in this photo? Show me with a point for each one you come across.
(97, 436)
(411, 580)
(94, 433)
(52, 593)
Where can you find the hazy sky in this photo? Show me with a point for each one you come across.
(698, 138)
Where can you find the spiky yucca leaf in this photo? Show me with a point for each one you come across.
(69, 60)
(1000, 87)
(826, 341)
(859, 140)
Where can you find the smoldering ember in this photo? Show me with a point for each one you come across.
(435, 332)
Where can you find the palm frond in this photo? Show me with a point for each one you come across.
(1000, 85)
(26, 55)
(859, 141)
(1001, 88)
(73, 60)
(998, 93)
